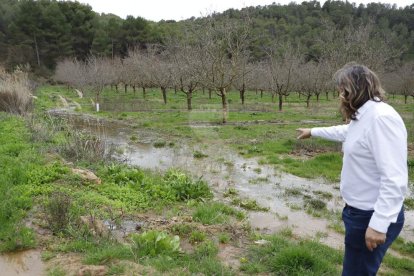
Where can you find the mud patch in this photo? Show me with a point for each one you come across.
(22, 263)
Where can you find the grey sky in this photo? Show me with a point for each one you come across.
(182, 9)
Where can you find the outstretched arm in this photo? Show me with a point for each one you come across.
(334, 133)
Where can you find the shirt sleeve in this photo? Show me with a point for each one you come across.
(387, 140)
(333, 133)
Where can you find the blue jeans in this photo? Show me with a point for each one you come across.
(358, 260)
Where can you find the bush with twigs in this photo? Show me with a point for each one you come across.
(15, 92)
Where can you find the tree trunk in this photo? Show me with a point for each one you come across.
(317, 98)
(308, 100)
(204, 90)
(126, 88)
(164, 94)
(405, 99)
(134, 88)
(209, 93)
(224, 103)
(327, 96)
(280, 102)
(273, 97)
(97, 101)
(143, 92)
(175, 89)
(242, 96)
(261, 93)
(37, 50)
(189, 97)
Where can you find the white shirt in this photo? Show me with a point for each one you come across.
(374, 173)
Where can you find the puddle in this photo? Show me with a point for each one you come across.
(25, 263)
(223, 168)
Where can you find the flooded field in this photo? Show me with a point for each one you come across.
(283, 194)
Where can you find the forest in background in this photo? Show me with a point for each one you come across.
(42, 33)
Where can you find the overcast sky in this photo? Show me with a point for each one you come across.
(157, 10)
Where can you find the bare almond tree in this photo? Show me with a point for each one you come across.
(361, 43)
(160, 69)
(186, 73)
(242, 82)
(99, 74)
(137, 64)
(283, 62)
(222, 44)
(71, 72)
(309, 81)
(260, 77)
(400, 81)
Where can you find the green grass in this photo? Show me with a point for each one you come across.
(215, 213)
(18, 160)
(283, 256)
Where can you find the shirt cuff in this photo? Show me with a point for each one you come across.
(379, 224)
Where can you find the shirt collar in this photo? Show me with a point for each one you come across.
(364, 108)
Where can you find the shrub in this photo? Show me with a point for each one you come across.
(57, 211)
(81, 145)
(15, 93)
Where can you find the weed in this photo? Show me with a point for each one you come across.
(153, 243)
(185, 188)
(282, 256)
(206, 249)
(403, 266)
(197, 237)
(133, 138)
(224, 238)
(48, 255)
(409, 204)
(296, 260)
(215, 213)
(56, 271)
(403, 247)
(292, 192)
(337, 227)
(160, 144)
(249, 204)
(108, 253)
(116, 269)
(198, 154)
(315, 204)
(324, 195)
(257, 170)
(181, 229)
(258, 180)
(230, 192)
